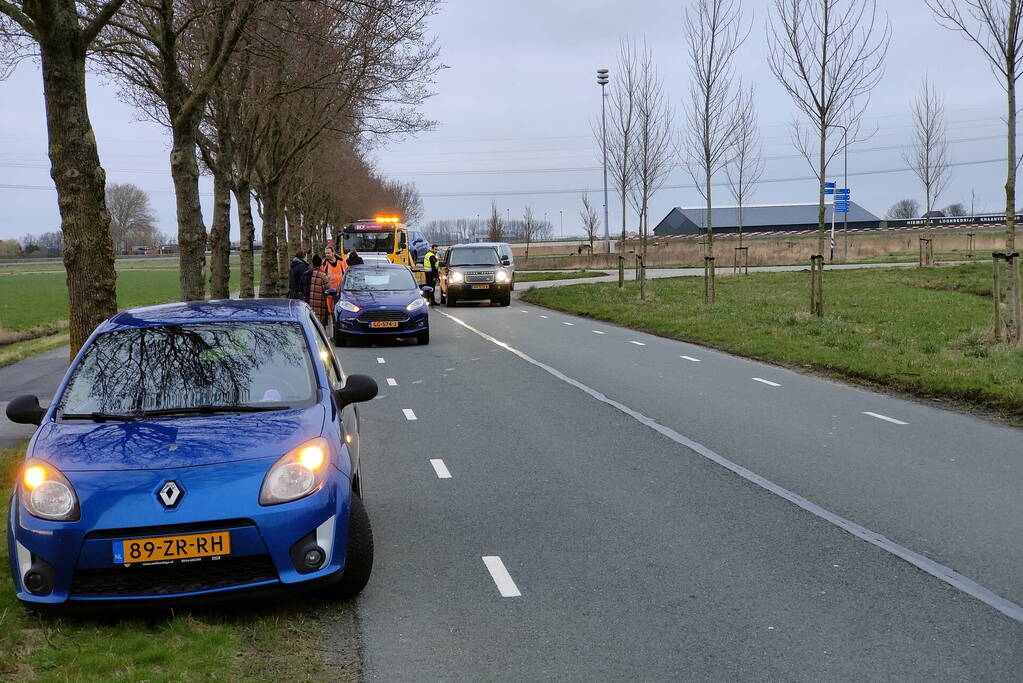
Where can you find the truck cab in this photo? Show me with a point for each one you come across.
(386, 236)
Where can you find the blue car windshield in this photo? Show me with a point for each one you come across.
(379, 280)
(208, 366)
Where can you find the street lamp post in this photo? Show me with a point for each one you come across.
(561, 212)
(602, 81)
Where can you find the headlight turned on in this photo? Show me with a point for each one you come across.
(502, 276)
(416, 304)
(297, 474)
(456, 277)
(47, 494)
(348, 306)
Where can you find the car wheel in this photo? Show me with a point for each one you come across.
(423, 338)
(451, 301)
(505, 300)
(359, 557)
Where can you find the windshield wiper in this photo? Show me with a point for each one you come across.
(98, 417)
(210, 410)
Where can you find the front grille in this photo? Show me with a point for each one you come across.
(170, 579)
(479, 277)
(169, 529)
(383, 315)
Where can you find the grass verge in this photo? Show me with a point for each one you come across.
(266, 641)
(921, 331)
(537, 276)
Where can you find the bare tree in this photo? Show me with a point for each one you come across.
(746, 165)
(996, 27)
(828, 55)
(621, 130)
(590, 219)
(495, 226)
(929, 156)
(652, 154)
(530, 228)
(955, 210)
(62, 33)
(714, 30)
(903, 209)
(131, 216)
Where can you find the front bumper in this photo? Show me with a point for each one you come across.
(350, 323)
(123, 505)
(464, 292)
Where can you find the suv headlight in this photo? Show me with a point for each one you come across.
(346, 305)
(501, 276)
(418, 303)
(456, 277)
(47, 494)
(297, 474)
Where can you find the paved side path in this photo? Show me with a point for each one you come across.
(37, 375)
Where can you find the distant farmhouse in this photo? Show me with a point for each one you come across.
(758, 218)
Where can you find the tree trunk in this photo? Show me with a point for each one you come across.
(191, 230)
(220, 238)
(283, 246)
(294, 231)
(268, 260)
(621, 251)
(78, 176)
(1013, 332)
(817, 282)
(247, 235)
(708, 273)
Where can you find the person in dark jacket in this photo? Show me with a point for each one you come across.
(354, 259)
(298, 266)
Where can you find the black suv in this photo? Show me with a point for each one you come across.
(471, 272)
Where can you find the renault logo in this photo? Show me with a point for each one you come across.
(170, 494)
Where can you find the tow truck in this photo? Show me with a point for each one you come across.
(386, 236)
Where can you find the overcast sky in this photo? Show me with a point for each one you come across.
(520, 96)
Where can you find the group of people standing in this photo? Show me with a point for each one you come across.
(311, 282)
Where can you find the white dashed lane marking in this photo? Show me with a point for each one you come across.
(409, 415)
(381, 360)
(695, 360)
(440, 468)
(598, 332)
(391, 382)
(766, 381)
(501, 577)
(544, 316)
(568, 323)
(637, 343)
(886, 418)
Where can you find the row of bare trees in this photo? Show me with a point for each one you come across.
(278, 100)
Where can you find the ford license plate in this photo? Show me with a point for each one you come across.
(384, 323)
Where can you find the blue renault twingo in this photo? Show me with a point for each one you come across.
(194, 451)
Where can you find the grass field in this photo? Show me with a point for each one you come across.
(923, 331)
(537, 276)
(279, 640)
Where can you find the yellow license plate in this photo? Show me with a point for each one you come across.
(384, 323)
(169, 548)
(481, 286)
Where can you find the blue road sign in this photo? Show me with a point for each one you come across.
(842, 194)
(829, 188)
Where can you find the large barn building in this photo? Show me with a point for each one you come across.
(757, 218)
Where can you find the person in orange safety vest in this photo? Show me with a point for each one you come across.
(334, 268)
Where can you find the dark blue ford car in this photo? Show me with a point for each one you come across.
(194, 451)
(381, 301)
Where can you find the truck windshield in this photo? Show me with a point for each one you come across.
(473, 256)
(370, 241)
(187, 368)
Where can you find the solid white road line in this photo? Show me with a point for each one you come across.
(381, 360)
(440, 468)
(409, 415)
(695, 360)
(501, 577)
(767, 382)
(568, 323)
(886, 418)
(391, 382)
(637, 343)
(922, 562)
(598, 332)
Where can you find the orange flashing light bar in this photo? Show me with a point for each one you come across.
(387, 219)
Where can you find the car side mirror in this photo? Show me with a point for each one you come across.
(505, 262)
(357, 388)
(426, 289)
(330, 292)
(25, 410)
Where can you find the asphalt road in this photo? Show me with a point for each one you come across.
(635, 557)
(38, 375)
(581, 462)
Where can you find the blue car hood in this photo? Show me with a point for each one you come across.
(395, 299)
(174, 442)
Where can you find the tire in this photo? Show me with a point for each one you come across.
(505, 300)
(423, 338)
(359, 556)
(451, 301)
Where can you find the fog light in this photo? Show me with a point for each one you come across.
(314, 558)
(35, 582)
